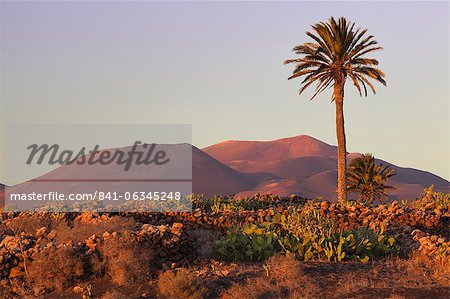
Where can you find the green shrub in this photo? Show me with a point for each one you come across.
(253, 242)
(354, 245)
(307, 222)
(442, 255)
(308, 235)
(431, 199)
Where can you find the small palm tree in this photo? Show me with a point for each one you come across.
(337, 54)
(368, 179)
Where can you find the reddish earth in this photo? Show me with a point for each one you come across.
(269, 151)
(307, 166)
(299, 165)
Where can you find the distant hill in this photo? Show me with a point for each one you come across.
(269, 151)
(209, 176)
(307, 166)
(299, 165)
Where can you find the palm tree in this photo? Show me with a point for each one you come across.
(368, 178)
(336, 54)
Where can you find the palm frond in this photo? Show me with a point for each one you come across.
(337, 52)
(368, 179)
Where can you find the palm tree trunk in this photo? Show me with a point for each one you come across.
(342, 150)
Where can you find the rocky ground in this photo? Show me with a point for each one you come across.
(170, 255)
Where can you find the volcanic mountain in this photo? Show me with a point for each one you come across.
(299, 165)
(208, 175)
(307, 166)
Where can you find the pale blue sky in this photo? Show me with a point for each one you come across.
(219, 67)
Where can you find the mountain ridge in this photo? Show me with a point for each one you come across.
(312, 158)
(300, 165)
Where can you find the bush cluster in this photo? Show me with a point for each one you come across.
(253, 203)
(308, 235)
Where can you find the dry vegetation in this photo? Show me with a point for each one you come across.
(284, 277)
(177, 255)
(180, 284)
(125, 260)
(55, 269)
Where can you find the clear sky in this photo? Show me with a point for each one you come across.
(219, 66)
